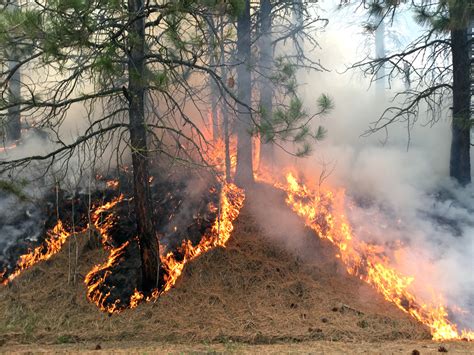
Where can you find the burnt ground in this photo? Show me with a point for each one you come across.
(259, 290)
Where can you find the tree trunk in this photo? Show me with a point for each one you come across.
(224, 111)
(471, 55)
(244, 173)
(266, 86)
(225, 116)
(13, 131)
(148, 242)
(212, 84)
(460, 162)
(13, 128)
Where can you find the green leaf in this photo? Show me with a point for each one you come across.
(304, 150)
(320, 133)
(14, 188)
(325, 103)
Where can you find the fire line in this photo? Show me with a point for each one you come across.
(323, 212)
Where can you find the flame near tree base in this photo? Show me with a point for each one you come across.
(323, 212)
(113, 286)
(102, 289)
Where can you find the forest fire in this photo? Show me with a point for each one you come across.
(231, 201)
(324, 213)
(134, 137)
(94, 281)
(103, 225)
(54, 241)
(115, 224)
(99, 291)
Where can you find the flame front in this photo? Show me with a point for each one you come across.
(323, 212)
(104, 224)
(54, 241)
(94, 281)
(231, 201)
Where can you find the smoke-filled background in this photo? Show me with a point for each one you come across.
(396, 181)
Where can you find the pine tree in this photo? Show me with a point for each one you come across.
(107, 56)
(444, 74)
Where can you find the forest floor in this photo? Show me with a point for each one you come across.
(308, 347)
(276, 288)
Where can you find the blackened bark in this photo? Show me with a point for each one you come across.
(244, 173)
(149, 250)
(460, 162)
(266, 65)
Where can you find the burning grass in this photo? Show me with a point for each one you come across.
(324, 212)
(253, 291)
(114, 285)
(54, 241)
(106, 288)
(201, 223)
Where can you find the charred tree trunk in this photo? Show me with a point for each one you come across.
(13, 128)
(460, 162)
(266, 88)
(147, 236)
(244, 173)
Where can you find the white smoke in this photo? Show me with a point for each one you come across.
(400, 194)
(397, 182)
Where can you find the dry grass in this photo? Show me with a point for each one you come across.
(307, 347)
(254, 291)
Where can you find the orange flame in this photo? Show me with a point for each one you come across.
(56, 238)
(215, 155)
(94, 294)
(232, 199)
(104, 224)
(112, 184)
(7, 148)
(324, 213)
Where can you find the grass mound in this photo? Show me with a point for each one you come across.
(260, 289)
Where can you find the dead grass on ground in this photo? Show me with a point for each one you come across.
(254, 291)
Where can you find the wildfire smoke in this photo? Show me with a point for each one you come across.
(324, 213)
(231, 200)
(54, 241)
